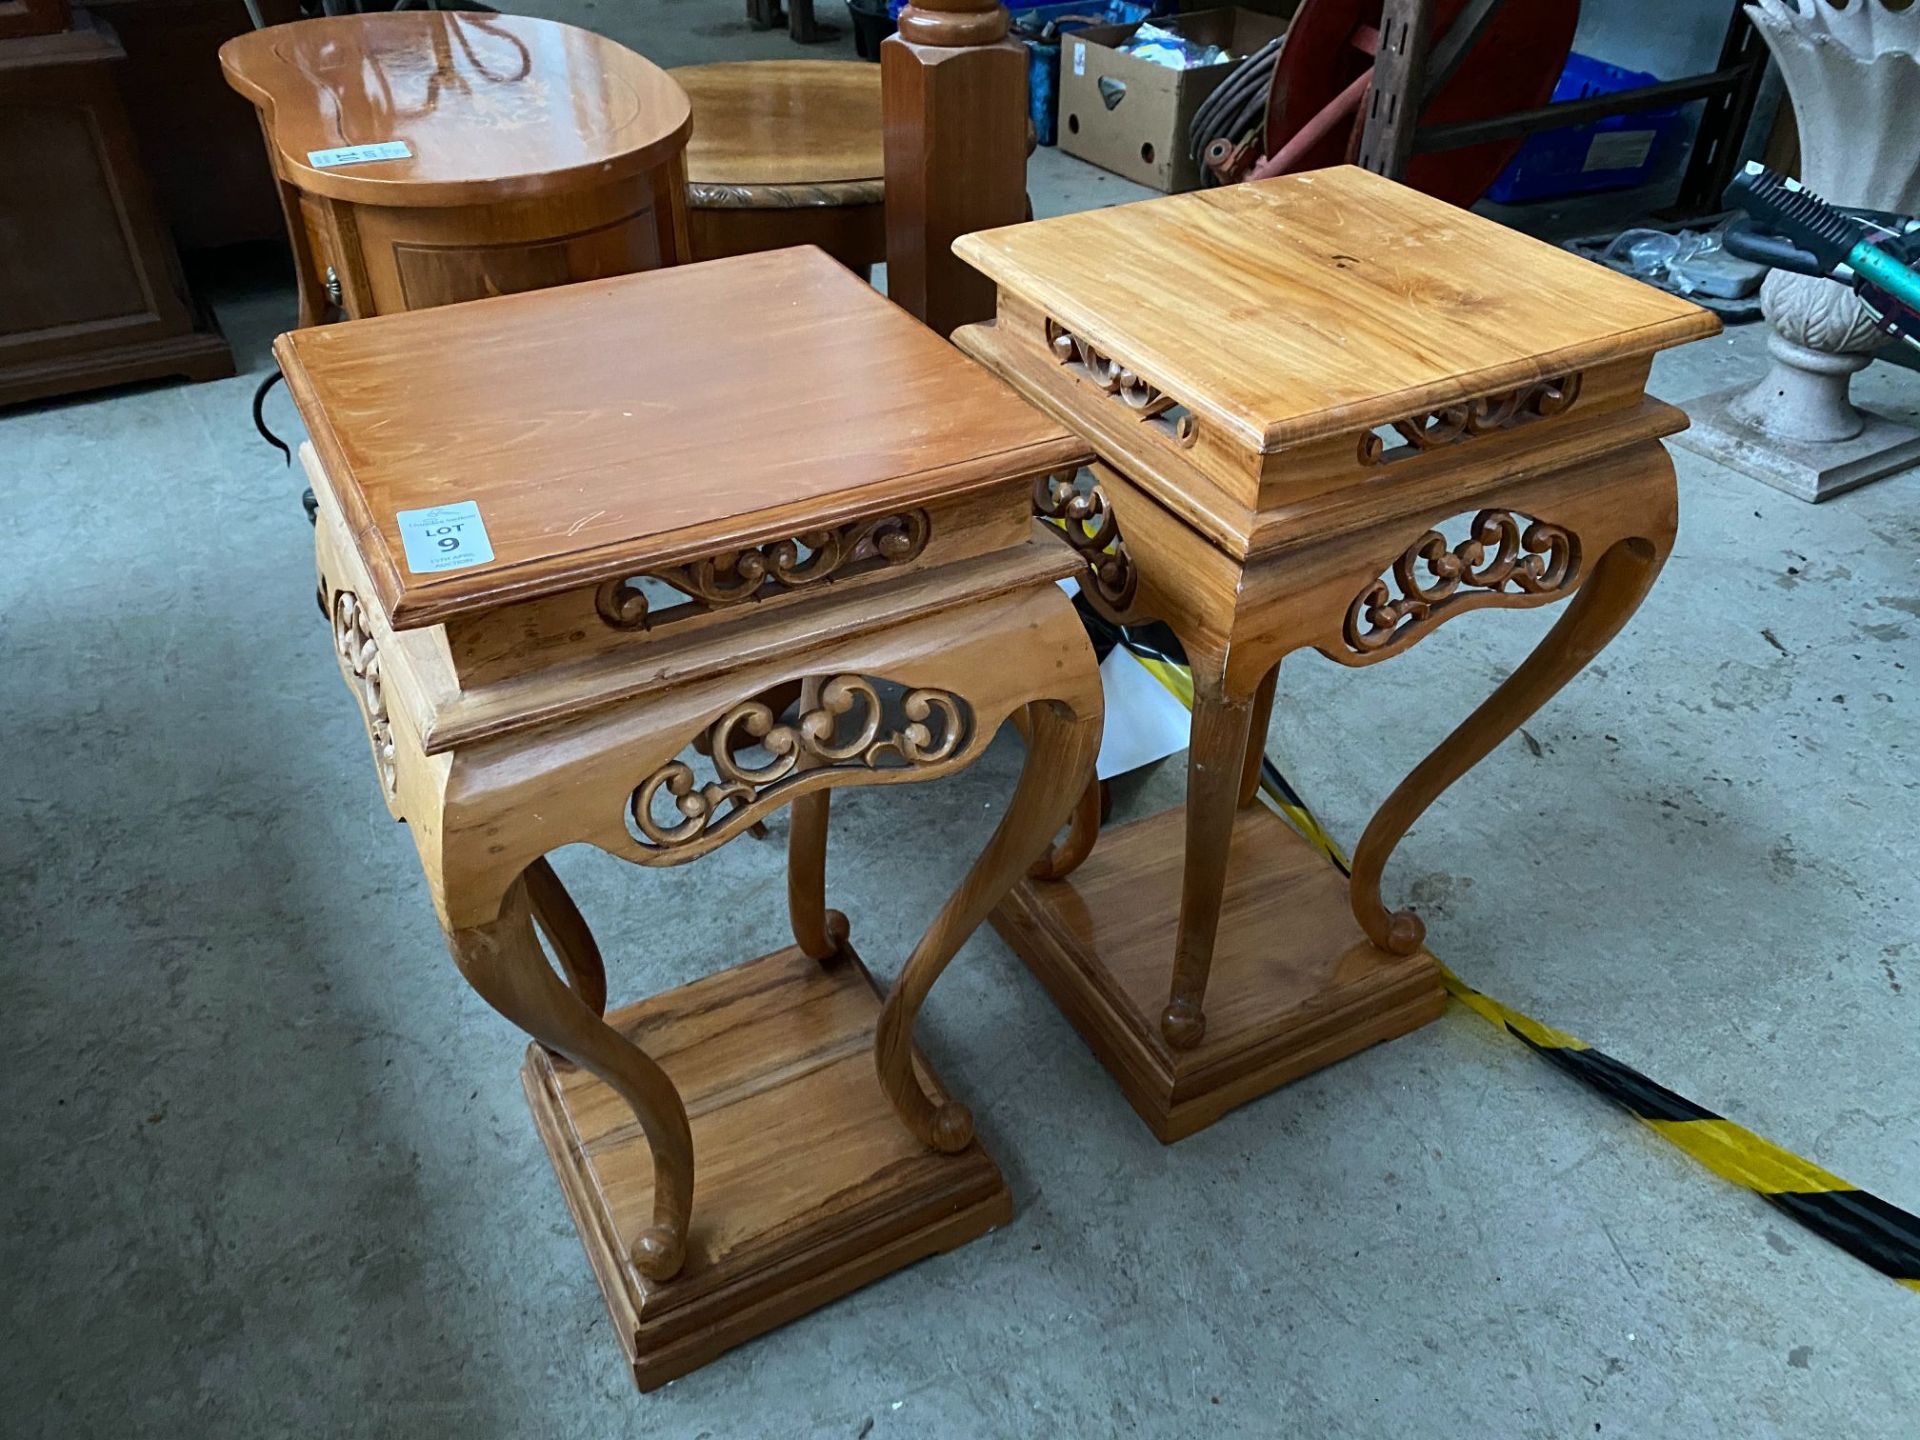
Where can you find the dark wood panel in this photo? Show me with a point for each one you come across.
(199, 144)
(32, 17)
(90, 289)
(68, 258)
(855, 235)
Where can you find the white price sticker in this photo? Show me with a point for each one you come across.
(1079, 58)
(359, 154)
(447, 537)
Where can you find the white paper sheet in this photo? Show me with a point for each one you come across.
(1144, 721)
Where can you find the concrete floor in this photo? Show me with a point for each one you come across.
(268, 1169)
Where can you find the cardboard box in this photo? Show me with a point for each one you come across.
(1129, 115)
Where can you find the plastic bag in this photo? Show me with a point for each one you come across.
(1158, 45)
(1687, 262)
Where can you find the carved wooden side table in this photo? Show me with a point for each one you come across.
(1330, 413)
(530, 153)
(661, 537)
(786, 152)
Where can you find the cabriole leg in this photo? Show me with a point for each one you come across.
(1215, 769)
(818, 931)
(1083, 829)
(566, 930)
(1257, 724)
(1598, 609)
(503, 961)
(1060, 752)
(1083, 826)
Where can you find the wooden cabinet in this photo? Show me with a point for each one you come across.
(32, 17)
(198, 140)
(90, 287)
(528, 154)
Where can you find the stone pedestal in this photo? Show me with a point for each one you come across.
(1852, 75)
(1810, 470)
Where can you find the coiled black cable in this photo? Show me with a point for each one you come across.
(1237, 108)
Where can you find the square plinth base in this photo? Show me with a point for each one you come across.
(1295, 985)
(1811, 472)
(806, 1183)
(201, 354)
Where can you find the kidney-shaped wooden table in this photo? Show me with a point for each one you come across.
(427, 157)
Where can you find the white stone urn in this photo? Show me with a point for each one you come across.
(1852, 71)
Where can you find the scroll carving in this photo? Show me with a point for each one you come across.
(1166, 413)
(360, 661)
(1506, 559)
(736, 576)
(1434, 429)
(850, 728)
(1055, 497)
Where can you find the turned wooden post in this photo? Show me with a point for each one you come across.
(954, 96)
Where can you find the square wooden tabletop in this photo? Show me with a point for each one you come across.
(619, 425)
(1324, 302)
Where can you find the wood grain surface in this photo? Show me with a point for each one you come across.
(783, 122)
(492, 106)
(808, 1185)
(663, 413)
(1317, 303)
(542, 685)
(1295, 984)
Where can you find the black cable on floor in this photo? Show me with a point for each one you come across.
(260, 416)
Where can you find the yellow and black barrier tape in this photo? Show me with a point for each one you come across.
(1858, 1221)
(1868, 1228)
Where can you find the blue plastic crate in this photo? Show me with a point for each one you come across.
(1043, 56)
(1616, 153)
